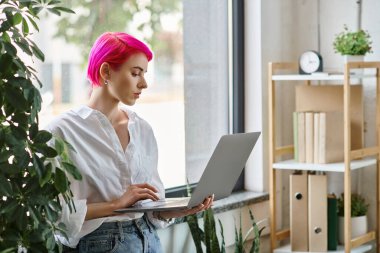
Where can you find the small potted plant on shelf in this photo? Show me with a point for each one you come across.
(353, 45)
(359, 209)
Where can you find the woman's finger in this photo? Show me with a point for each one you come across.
(146, 185)
(150, 192)
(197, 209)
(143, 196)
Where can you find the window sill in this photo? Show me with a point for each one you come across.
(239, 199)
(234, 201)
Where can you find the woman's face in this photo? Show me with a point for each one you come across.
(127, 83)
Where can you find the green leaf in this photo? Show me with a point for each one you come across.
(24, 47)
(42, 136)
(52, 2)
(17, 18)
(46, 150)
(52, 216)
(9, 250)
(33, 130)
(64, 9)
(35, 216)
(36, 10)
(36, 104)
(15, 98)
(50, 242)
(10, 169)
(23, 159)
(18, 132)
(54, 11)
(10, 49)
(21, 118)
(21, 218)
(60, 181)
(196, 232)
(38, 53)
(223, 245)
(5, 187)
(38, 166)
(25, 27)
(5, 37)
(59, 146)
(4, 155)
(33, 23)
(5, 64)
(13, 141)
(72, 170)
(47, 175)
(9, 207)
(5, 26)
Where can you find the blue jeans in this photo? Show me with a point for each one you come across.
(133, 236)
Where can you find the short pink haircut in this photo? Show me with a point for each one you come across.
(114, 48)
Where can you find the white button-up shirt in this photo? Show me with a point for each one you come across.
(106, 168)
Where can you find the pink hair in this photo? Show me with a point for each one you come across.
(114, 48)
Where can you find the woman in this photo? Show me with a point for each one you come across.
(116, 153)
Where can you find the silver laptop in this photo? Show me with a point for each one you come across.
(219, 177)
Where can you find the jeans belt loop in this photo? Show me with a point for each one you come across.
(121, 232)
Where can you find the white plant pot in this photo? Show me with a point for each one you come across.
(359, 226)
(354, 58)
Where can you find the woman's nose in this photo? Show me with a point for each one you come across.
(143, 84)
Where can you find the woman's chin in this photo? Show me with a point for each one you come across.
(129, 102)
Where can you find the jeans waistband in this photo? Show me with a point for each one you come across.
(123, 224)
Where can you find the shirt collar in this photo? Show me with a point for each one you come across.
(84, 111)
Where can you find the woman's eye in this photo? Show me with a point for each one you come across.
(135, 74)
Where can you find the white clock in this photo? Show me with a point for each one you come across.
(310, 62)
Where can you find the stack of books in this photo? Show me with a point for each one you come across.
(318, 137)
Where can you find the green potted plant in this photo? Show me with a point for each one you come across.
(353, 45)
(359, 209)
(32, 178)
(209, 238)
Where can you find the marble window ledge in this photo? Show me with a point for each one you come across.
(234, 201)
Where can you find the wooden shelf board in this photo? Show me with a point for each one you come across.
(332, 77)
(360, 249)
(330, 167)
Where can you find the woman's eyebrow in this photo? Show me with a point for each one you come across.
(140, 68)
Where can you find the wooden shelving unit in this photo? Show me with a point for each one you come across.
(353, 159)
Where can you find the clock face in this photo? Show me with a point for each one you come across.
(309, 62)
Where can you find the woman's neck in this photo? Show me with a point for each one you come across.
(102, 101)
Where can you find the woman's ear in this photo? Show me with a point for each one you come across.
(105, 71)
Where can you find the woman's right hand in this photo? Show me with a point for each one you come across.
(133, 194)
(136, 192)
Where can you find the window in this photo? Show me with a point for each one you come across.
(187, 101)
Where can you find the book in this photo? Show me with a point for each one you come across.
(332, 222)
(309, 136)
(331, 137)
(316, 137)
(301, 137)
(295, 135)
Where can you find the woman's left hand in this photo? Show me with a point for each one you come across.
(207, 203)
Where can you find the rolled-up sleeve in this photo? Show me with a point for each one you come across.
(73, 221)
